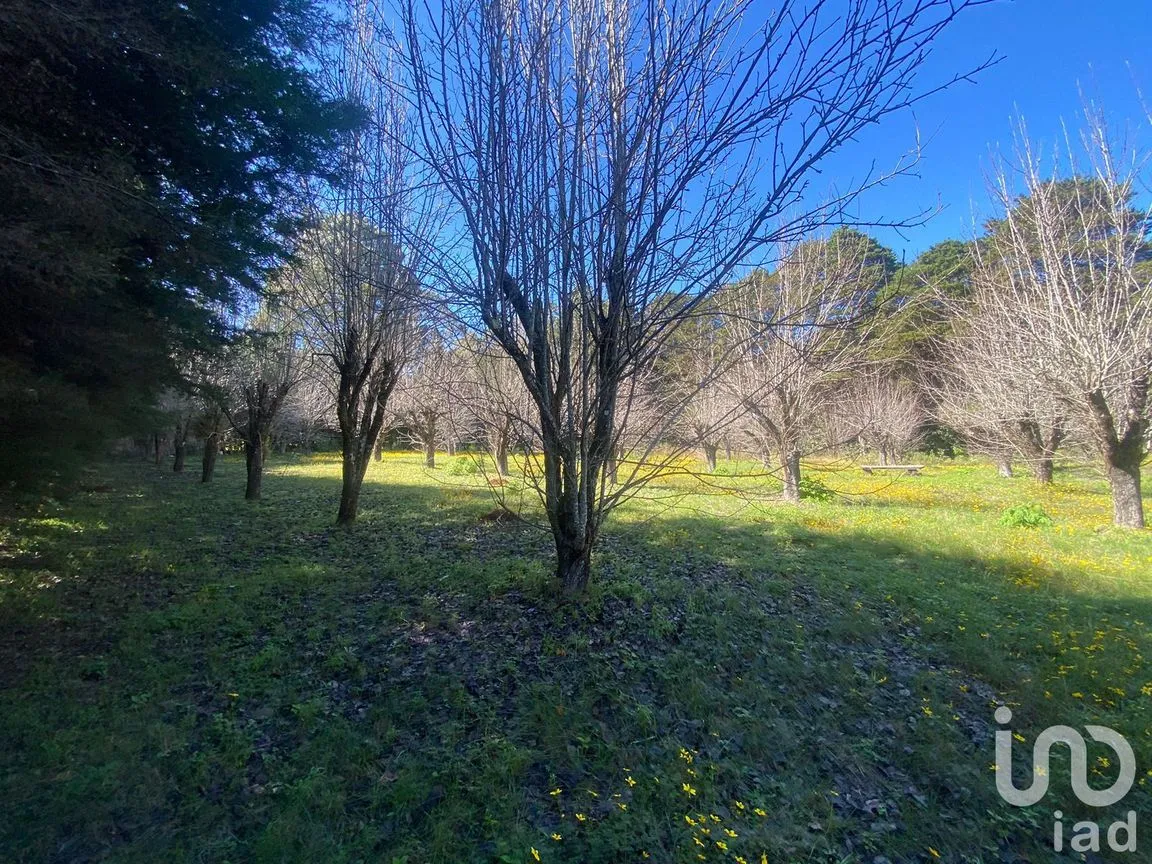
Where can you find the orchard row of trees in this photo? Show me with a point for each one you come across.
(531, 225)
(1051, 343)
(838, 347)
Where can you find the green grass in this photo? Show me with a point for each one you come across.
(185, 676)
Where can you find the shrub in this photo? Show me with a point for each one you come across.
(462, 465)
(814, 490)
(942, 441)
(1025, 516)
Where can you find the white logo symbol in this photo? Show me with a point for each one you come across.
(1079, 751)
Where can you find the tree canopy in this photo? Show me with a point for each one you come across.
(150, 157)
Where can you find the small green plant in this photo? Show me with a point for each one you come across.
(463, 465)
(814, 490)
(942, 441)
(1025, 516)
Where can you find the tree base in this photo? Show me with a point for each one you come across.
(1127, 505)
(573, 571)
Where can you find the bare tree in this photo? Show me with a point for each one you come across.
(262, 366)
(1005, 411)
(309, 410)
(211, 427)
(642, 420)
(886, 414)
(691, 368)
(498, 407)
(457, 423)
(423, 402)
(357, 301)
(181, 409)
(708, 417)
(614, 163)
(355, 283)
(805, 328)
(1064, 280)
(214, 379)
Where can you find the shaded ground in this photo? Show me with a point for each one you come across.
(189, 677)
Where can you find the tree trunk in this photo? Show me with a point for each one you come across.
(352, 473)
(570, 499)
(710, 456)
(573, 566)
(208, 460)
(500, 453)
(429, 454)
(451, 446)
(1040, 447)
(180, 445)
(1127, 505)
(1042, 470)
(791, 465)
(1123, 455)
(728, 451)
(254, 462)
(361, 418)
(156, 447)
(378, 450)
(1003, 466)
(265, 448)
(612, 469)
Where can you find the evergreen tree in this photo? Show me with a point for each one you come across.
(150, 158)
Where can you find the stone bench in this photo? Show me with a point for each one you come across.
(904, 469)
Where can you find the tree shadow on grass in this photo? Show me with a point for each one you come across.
(279, 689)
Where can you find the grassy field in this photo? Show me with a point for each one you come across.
(185, 676)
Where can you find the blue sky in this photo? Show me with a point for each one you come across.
(1051, 49)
